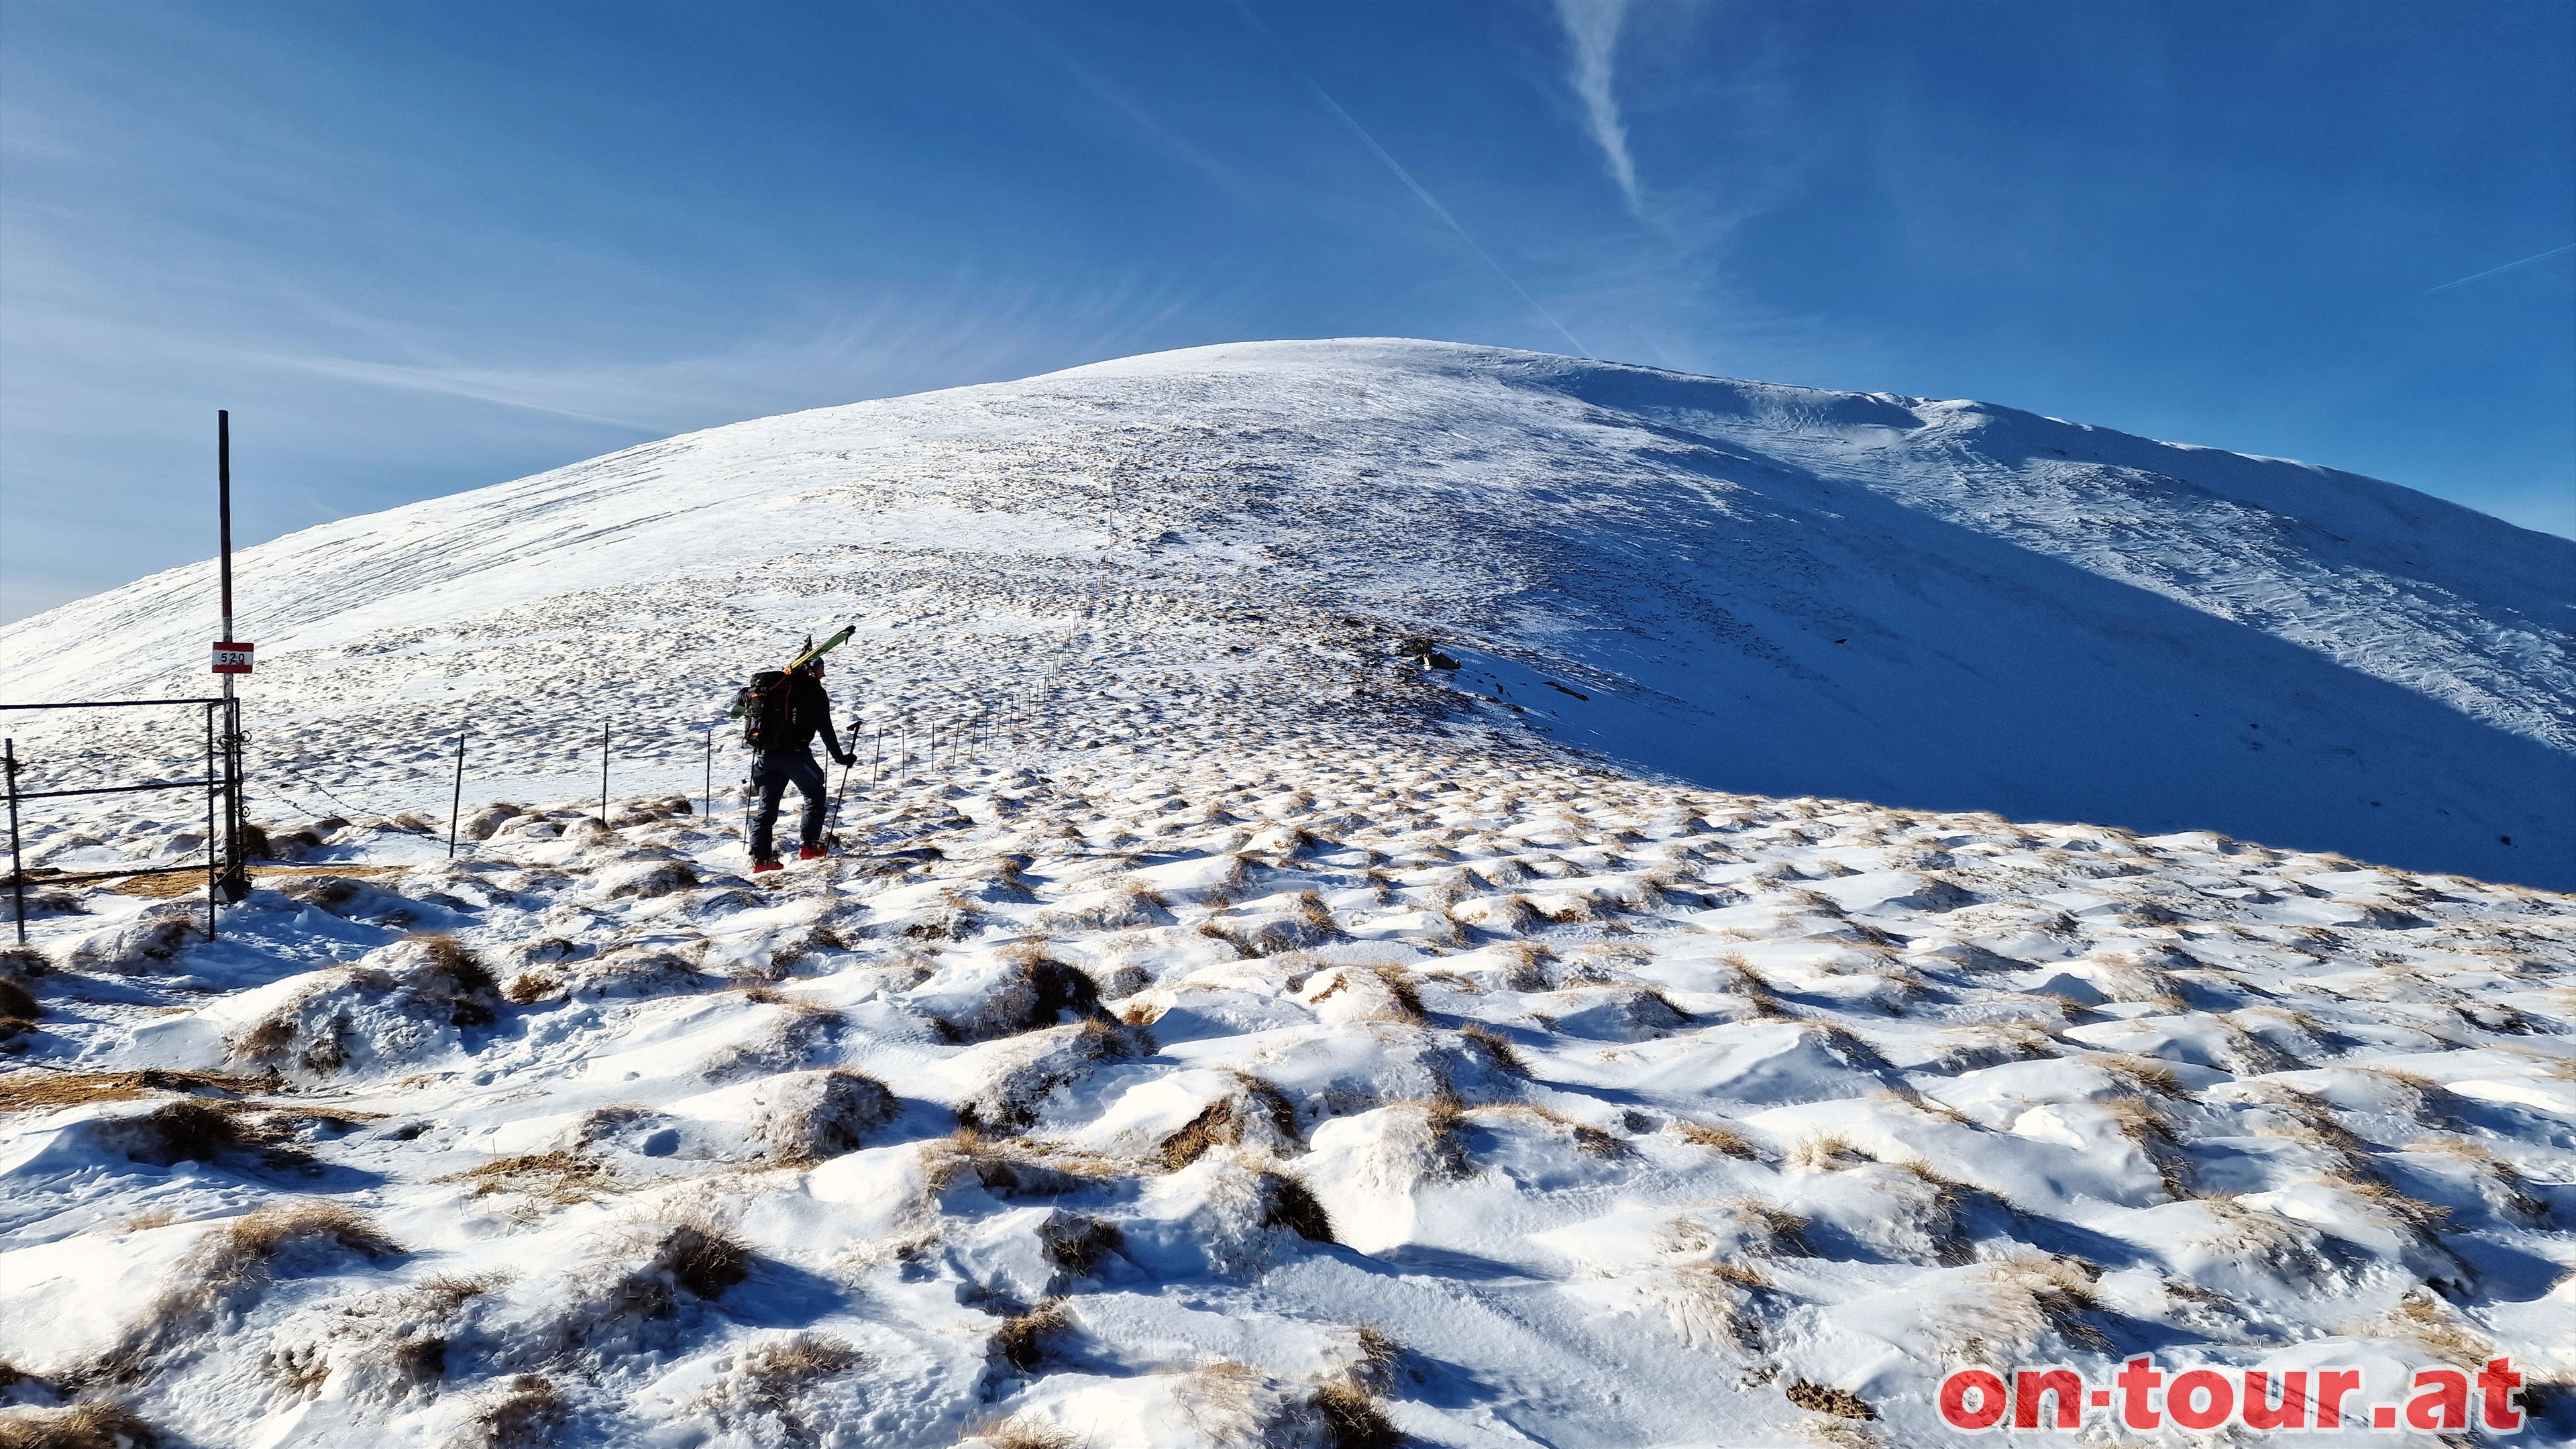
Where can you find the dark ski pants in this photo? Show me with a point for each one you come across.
(771, 775)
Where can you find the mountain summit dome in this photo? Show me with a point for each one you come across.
(1737, 585)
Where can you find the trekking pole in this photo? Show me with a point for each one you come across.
(845, 777)
(707, 800)
(456, 802)
(603, 775)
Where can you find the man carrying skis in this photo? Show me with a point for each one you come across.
(786, 709)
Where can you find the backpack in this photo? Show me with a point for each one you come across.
(766, 705)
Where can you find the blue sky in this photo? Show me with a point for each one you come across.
(420, 247)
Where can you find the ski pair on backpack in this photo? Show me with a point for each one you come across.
(765, 704)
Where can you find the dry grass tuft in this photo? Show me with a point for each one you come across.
(1496, 1048)
(1213, 1126)
(824, 1114)
(255, 1238)
(774, 1374)
(38, 1090)
(2146, 1127)
(230, 1266)
(2427, 1320)
(1352, 1419)
(1076, 1244)
(527, 1414)
(698, 1253)
(2500, 1182)
(2020, 1297)
(1289, 1203)
(1817, 1398)
(1022, 1340)
(559, 1177)
(82, 1426)
(1380, 1355)
(1823, 1152)
(1714, 1137)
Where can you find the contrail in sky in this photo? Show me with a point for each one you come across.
(1420, 192)
(2507, 267)
(1592, 29)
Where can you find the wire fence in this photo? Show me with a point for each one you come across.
(897, 741)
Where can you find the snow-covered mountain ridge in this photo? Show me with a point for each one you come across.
(1217, 1029)
(1760, 588)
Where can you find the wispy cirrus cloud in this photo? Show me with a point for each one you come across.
(1592, 37)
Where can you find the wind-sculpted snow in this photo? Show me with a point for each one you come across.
(1307, 1093)
(1227, 1024)
(1928, 604)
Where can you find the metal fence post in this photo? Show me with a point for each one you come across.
(210, 822)
(235, 883)
(17, 866)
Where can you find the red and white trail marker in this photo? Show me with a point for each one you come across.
(232, 657)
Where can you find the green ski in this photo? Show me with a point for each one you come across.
(812, 652)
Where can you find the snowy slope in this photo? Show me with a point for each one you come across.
(1220, 1030)
(1772, 589)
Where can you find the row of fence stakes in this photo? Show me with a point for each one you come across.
(962, 747)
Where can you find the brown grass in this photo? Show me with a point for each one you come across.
(2428, 1321)
(39, 1090)
(1352, 1419)
(1817, 1398)
(526, 1415)
(82, 1426)
(774, 1373)
(559, 1177)
(1714, 1137)
(1496, 1047)
(1022, 1340)
(167, 887)
(700, 1254)
(1289, 1203)
(2147, 1128)
(228, 1267)
(259, 1236)
(1823, 1152)
(1213, 1126)
(1076, 1243)
(1379, 1357)
(2511, 1190)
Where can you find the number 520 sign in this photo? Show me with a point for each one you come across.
(232, 658)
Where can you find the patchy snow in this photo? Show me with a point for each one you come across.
(1244, 1035)
(1927, 604)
